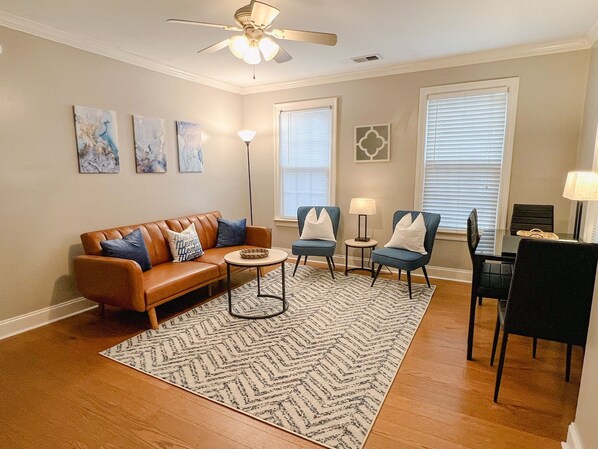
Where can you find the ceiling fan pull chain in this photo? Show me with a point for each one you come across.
(253, 72)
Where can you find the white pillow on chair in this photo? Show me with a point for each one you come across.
(315, 228)
(409, 235)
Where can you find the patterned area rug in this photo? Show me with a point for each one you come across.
(320, 370)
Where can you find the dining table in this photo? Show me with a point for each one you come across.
(496, 245)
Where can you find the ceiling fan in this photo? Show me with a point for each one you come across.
(255, 21)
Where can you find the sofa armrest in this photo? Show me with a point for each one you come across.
(260, 236)
(110, 280)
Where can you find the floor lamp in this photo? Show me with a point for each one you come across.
(580, 186)
(247, 136)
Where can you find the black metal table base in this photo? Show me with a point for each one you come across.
(362, 268)
(282, 298)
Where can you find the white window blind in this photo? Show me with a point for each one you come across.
(305, 158)
(463, 156)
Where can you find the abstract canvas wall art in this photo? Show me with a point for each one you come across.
(189, 143)
(97, 145)
(372, 143)
(150, 144)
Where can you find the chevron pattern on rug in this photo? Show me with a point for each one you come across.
(320, 370)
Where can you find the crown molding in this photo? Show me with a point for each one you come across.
(91, 45)
(481, 57)
(83, 43)
(592, 36)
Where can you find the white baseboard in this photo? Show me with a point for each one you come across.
(573, 440)
(451, 274)
(37, 318)
(41, 317)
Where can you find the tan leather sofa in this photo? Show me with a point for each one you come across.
(121, 283)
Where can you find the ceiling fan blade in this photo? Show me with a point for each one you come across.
(205, 24)
(314, 37)
(282, 56)
(214, 48)
(262, 15)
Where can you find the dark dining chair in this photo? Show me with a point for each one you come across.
(550, 296)
(323, 248)
(532, 216)
(495, 278)
(403, 259)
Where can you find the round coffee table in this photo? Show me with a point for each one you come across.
(275, 257)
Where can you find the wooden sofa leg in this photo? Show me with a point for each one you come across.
(210, 290)
(153, 318)
(101, 309)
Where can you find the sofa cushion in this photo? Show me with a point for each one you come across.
(184, 245)
(231, 233)
(216, 256)
(131, 247)
(169, 279)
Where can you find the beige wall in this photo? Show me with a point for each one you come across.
(551, 93)
(586, 416)
(45, 203)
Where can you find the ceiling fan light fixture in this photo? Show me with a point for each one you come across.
(252, 54)
(238, 46)
(268, 47)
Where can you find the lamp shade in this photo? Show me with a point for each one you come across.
(238, 45)
(246, 135)
(581, 186)
(362, 206)
(268, 47)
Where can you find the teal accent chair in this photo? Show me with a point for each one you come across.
(403, 259)
(322, 248)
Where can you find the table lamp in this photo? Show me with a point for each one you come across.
(580, 186)
(362, 207)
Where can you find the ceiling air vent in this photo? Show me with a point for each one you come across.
(368, 58)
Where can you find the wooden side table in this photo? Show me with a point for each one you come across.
(352, 243)
(275, 257)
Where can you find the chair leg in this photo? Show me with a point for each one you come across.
(479, 300)
(501, 362)
(297, 264)
(330, 267)
(568, 371)
(426, 276)
(495, 339)
(400, 275)
(305, 261)
(534, 347)
(376, 275)
(409, 283)
(332, 260)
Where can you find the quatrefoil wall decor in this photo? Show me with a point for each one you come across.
(372, 143)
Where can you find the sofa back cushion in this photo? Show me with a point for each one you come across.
(153, 235)
(206, 226)
(156, 236)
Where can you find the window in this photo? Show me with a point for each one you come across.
(305, 149)
(464, 151)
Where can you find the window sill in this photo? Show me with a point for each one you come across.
(452, 235)
(286, 222)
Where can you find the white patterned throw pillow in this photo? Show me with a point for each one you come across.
(317, 228)
(409, 234)
(184, 245)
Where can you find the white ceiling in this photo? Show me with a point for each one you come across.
(402, 31)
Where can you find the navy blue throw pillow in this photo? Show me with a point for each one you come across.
(131, 247)
(231, 233)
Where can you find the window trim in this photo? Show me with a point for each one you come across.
(330, 102)
(512, 86)
(590, 210)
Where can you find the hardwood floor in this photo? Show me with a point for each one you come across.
(57, 392)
